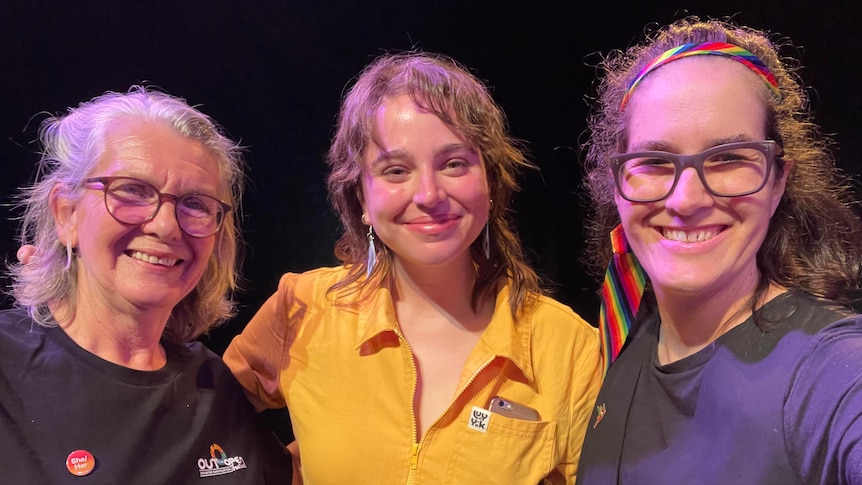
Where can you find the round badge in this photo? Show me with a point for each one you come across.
(80, 463)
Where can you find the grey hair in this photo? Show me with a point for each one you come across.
(72, 144)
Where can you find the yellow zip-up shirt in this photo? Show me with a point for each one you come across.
(348, 377)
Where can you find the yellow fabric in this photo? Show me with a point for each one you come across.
(347, 377)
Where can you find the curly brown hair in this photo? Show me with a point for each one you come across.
(442, 86)
(814, 239)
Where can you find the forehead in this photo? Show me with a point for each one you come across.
(157, 152)
(698, 96)
(399, 122)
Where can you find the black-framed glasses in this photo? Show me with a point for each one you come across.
(133, 201)
(729, 170)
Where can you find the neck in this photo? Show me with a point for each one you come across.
(438, 291)
(690, 322)
(127, 339)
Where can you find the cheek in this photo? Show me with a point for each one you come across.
(203, 250)
(632, 218)
(380, 198)
(472, 191)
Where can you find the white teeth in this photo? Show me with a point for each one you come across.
(688, 236)
(154, 260)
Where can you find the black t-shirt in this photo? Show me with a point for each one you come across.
(63, 408)
(776, 407)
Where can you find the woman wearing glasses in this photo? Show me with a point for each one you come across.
(132, 220)
(743, 366)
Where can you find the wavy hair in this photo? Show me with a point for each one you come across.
(814, 238)
(71, 147)
(442, 86)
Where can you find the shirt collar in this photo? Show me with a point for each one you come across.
(504, 337)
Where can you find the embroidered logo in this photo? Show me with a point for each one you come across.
(219, 463)
(600, 413)
(479, 419)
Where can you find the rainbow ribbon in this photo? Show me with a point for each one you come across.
(724, 49)
(622, 291)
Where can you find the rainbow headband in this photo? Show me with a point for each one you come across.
(730, 51)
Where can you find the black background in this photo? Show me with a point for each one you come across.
(272, 73)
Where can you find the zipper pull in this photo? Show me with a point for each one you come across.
(414, 459)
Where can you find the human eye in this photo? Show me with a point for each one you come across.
(734, 159)
(394, 173)
(198, 205)
(649, 165)
(456, 166)
(133, 191)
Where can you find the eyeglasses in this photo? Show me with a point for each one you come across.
(133, 201)
(729, 170)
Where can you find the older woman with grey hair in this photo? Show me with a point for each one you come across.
(133, 219)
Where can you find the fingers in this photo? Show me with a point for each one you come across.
(27, 254)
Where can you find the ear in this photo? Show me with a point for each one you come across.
(65, 212)
(360, 195)
(780, 184)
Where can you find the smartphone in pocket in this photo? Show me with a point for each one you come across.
(512, 409)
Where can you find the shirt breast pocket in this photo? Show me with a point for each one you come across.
(508, 451)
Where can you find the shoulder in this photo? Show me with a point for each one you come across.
(14, 318)
(556, 330)
(18, 331)
(829, 357)
(195, 358)
(801, 311)
(312, 282)
(840, 341)
(550, 312)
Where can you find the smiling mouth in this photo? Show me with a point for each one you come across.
(699, 235)
(148, 258)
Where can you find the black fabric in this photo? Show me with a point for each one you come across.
(776, 407)
(142, 427)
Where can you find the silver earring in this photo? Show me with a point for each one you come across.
(68, 257)
(486, 242)
(372, 252)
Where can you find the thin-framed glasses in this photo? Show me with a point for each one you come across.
(729, 170)
(133, 201)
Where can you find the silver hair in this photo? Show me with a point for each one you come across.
(72, 144)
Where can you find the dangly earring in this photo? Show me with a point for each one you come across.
(372, 251)
(68, 257)
(486, 241)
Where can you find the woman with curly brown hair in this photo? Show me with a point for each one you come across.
(743, 363)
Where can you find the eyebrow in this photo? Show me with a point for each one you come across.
(386, 155)
(658, 145)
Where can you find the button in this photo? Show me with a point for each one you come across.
(80, 463)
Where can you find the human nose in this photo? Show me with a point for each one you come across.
(689, 195)
(164, 223)
(429, 192)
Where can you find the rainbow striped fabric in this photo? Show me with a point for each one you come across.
(621, 295)
(730, 51)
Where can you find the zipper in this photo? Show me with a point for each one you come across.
(417, 445)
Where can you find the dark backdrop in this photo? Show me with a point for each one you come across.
(273, 73)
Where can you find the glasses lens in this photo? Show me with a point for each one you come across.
(646, 178)
(735, 172)
(199, 215)
(131, 201)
